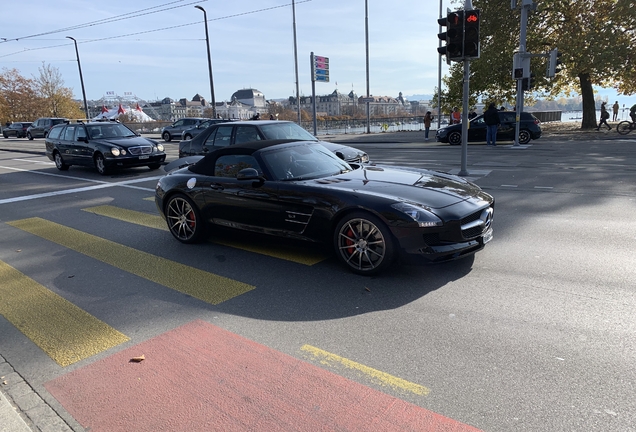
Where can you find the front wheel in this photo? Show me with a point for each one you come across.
(187, 137)
(166, 137)
(59, 162)
(154, 166)
(363, 243)
(184, 219)
(100, 164)
(455, 138)
(624, 127)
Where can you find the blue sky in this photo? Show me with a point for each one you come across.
(156, 49)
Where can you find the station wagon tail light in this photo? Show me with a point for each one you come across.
(423, 217)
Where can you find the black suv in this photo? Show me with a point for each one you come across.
(529, 129)
(41, 127)
(105, 145)
(19, 130)
(175, 130)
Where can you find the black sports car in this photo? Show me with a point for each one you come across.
(225, 134)
(301, 190)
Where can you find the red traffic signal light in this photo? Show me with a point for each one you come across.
(471, 33)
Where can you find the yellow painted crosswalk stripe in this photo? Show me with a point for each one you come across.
(382, 378)
(308, 258)
(200, 284)
(62, 330)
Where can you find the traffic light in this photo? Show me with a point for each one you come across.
(471, 34)
(528, 83)
(553, 63)
(453, 36)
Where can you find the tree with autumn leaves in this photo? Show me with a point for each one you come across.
(26, 99)
(597, 39)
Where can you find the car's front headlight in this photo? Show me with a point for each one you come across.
(364, 158)
(159, 147)
(115, 151)
(423, 217)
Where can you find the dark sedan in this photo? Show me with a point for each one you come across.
(370, 215)
(225, 134)
(18, 130)
(103, 145)
(529, 129)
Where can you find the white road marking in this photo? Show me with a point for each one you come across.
(35, 162)
(101, 185)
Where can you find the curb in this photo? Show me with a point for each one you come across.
(21, 407)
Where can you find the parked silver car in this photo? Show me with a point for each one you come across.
(175, 130)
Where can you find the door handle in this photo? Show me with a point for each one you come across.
(216, 186)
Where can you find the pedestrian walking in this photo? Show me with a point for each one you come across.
(491, 118)
(456, 116)
(604, 117)
(428, 118)
(615, 111)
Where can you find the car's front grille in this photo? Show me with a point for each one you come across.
(476, 223)
(140, 150)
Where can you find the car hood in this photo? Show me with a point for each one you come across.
(435, 190)
(348, 153)
(128, 142)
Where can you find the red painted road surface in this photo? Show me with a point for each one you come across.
(199, 377)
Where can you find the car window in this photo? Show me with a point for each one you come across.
(55, 132)
(69, 133)
(81, 133)
(230, 165)
(222, 136)
(57, 121)
(178, 123)
(477, 121)
(286, 130)
(246, 134)
(507, 117)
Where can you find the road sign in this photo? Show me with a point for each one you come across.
(319, 68)
(367, 99)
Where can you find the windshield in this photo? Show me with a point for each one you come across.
(303, 162)
(109, 130)
(286, 130)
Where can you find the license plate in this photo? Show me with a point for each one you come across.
(488, 236)
(144, 157)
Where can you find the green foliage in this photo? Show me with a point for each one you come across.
(597, 39)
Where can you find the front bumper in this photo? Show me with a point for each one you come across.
(134, 161)
(445, 252)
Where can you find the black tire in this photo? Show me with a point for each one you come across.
(154, 166)
(5, 135)
(363, 243)
(455, 138)
(29, 136)
(100, 164)
(59, 162)
(524, 136)
(187, 137)
(166, 137)
(184, 219)
(624, 127)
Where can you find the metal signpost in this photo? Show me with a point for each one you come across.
(319, 72)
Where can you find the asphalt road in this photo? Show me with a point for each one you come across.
(534, 333)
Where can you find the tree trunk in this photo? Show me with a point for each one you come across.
(589, 107)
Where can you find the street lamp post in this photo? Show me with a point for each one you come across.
(81, 78)
(207, 43)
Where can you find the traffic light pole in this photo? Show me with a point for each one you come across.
(464, 170)
(526, 5)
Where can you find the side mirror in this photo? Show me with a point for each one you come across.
(249, 174)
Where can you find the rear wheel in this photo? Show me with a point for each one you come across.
(455, 138)
(59, 162)
(100, 164)
(624, 127)
(524, 136)
(184, 220)
(29, 136)
(363, 243)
